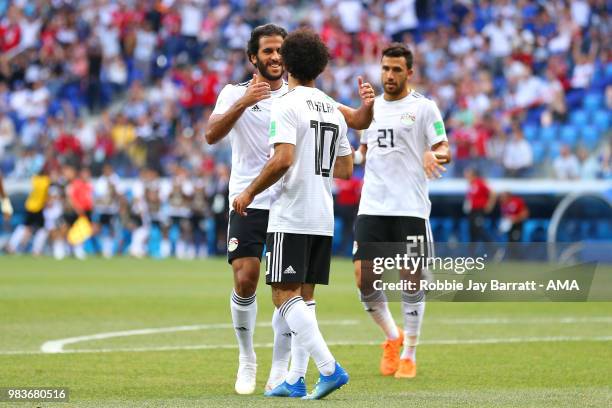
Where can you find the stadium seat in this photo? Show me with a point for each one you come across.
(530, 132)
(579, 118)
(569, 135)
(534, 114)
(593, 101)
(535, 230)
(553, 150)
(539, 149)
(574, 98)
(609, 72)
(569, 230)
(548, 134)
(464, 230)
(154, 244)
(590, 137)
(604, 229)
(601, 119)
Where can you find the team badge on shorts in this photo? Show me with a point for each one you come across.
(232, 244)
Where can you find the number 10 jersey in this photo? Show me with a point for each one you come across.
(401, 132)
(302, 201)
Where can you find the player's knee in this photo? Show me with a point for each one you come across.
(245, 279)
(245, 285)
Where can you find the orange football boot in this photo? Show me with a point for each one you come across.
(406, 369)
(391, 354)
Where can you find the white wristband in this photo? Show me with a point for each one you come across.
(358, 159)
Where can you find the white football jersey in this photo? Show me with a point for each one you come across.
(249, 140)
(395, 183)
(309, 119)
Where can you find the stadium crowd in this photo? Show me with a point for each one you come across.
(525, 87)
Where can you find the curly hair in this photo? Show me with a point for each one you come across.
(268, 30)
(304, 55)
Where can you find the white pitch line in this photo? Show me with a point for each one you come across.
(506, 340)
(57, 346)
(511, 320)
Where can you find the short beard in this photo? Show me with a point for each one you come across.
(263, 70)
(398, 89)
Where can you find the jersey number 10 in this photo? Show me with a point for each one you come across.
(326, 135)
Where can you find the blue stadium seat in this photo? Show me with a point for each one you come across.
(579, 118)
(535, 230)
(569, 135)
(530, 132)
(539, 149)
(590, 137)
(601, 119)
(604, 229)
(609, 72)
(593, 101)
(548, 134)
(553, 150)
(154, 244)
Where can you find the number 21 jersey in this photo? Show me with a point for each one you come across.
(401, 132)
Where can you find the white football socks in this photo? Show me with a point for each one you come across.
(59, 249)
(304, 328)
(244, 314)
(16, 239)
(281, 353)
(376, 305)
(299, 355)
(413, 309)
(107, 246)
(40, 239)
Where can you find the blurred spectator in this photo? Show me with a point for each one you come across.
(566, 165)
(220, 207)
(237, 33)
(514, 214)
(401, 18)
(553, 96)
(29, 163)
(479, 203)
(7, 132)
(31, 132)
(146, 41)
(590, 168)
(500, 34)
(518, 156)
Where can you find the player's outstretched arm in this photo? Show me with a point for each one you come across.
(219, 125)
(343, 168)
(361, 117)
(274, 169)
(434, 160)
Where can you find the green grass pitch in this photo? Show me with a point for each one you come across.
(472, 354)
